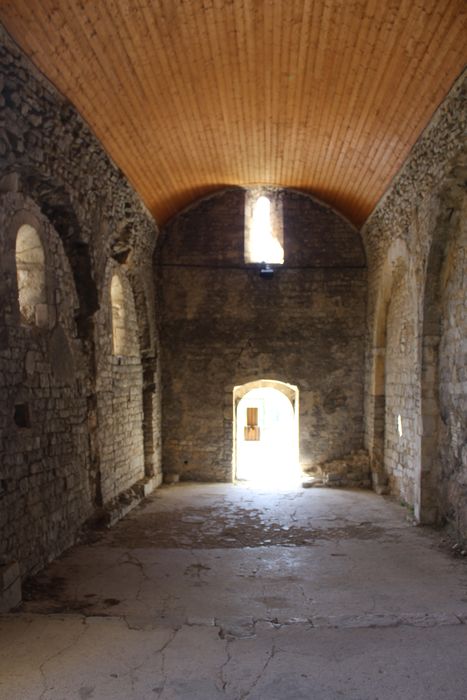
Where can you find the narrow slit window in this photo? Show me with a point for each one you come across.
(124, 323)
(119, 319)
(263, 230)
(30, 272)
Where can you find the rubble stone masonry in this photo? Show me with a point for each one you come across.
(79, 423)
(224, 325)
(416, 381)
(370, 327)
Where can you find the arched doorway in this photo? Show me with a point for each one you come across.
(266, 433)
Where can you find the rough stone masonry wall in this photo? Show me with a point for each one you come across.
(44, 445)
(58, 471)
(224, 325)
(417, 322)
(402, 414)
(120, 396)
(453, 375)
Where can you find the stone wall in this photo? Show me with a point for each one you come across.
(224, 325)
(80, 424)
(402, 392)
(45, 457)
(119, 389)
(453, 371)
(417, 324)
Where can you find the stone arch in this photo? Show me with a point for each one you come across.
(240, 392)
(426, 508)
(37, 271)
(402, 385)
(119, 389)
(289, 390)
(44, 393)
(395, 262)
(27, 266)
(58, 207)
(447, 230)
(123, 251)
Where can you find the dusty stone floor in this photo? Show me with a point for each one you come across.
(222, 591)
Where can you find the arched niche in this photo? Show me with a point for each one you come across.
(402, 385)
(57, 204)
(394, 266)
(444, 432)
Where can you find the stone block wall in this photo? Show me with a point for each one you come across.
(402, 393)
(452, 372)
(79, 425)
(45, 487)
(119, 392)
(224, 325)
(417, 324)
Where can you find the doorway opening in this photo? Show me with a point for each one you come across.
(266, 433)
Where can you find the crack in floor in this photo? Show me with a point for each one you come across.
(224, 682)
(133, 560)
(56, 655)
(162, 651)
(271, 655)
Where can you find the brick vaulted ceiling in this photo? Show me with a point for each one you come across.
(188, 96)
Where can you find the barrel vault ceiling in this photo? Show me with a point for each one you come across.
(188, 96)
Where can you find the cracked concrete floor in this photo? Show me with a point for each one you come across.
(223, 591)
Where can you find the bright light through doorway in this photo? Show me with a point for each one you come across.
(267, 455)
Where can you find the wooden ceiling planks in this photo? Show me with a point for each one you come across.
(191, 95)
(398, 137)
